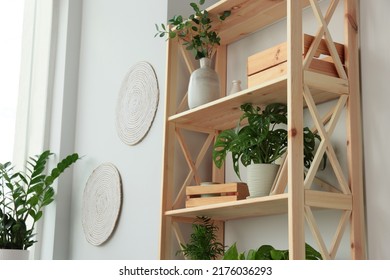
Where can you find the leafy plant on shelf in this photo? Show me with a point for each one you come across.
(203, 244)
(196, 32)
(24, 195)
(263, 139)
(267, 252)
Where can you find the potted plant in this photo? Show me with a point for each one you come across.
(258, 144)
(203, 244)
(23, 196)
(198, 36)
(267, 252)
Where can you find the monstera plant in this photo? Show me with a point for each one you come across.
(260, 139)
(24, 195)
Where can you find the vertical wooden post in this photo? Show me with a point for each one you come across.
(354, 130)
(218, 174)
(221, 68)
(296, 220)
(168, 149)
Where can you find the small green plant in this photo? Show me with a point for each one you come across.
(196, 32)
(203, 244)
(267, 252)
(23, 196)
(263, 139)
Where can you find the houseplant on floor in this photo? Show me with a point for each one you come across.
(198, 36)
(23, 196)
(258, 144)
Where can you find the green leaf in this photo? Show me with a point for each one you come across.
(38, 189)
(38, 215)
(33, 201)
(251, 255)
(222, 146)
(37, 179)
(311, 253)
(277, 255)
(231, 253)
(264, 252)
(172, 34)
(225, 15)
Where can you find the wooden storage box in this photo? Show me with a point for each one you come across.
(272, 63)
(220, 193)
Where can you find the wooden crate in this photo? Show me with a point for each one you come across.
(221, 193)
(272, 63)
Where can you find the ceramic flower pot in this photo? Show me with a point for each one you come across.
(204, 85)
(10, 254)
(260, 178)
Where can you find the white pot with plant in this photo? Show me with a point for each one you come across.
(23, 196)
(198, 36)
(258, 144)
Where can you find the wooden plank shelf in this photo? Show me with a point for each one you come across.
(225, 112)
(260, 206)
(247, 16)
(263, 206)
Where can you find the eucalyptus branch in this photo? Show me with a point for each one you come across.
(196, 33)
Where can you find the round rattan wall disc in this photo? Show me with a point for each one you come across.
(137, 103)
(102, 201)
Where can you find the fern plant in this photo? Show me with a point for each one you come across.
(203, 244)
(24, 195)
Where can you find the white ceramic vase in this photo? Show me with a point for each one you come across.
(10, 254)
(204, 85)
(260, 178)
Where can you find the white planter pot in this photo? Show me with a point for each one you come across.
(260, 178)
(204, 85)
(10, 254)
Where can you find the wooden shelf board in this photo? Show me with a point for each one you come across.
(260, 206)
(247, 16)
(224, 113)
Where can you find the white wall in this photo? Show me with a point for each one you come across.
(375, 70)
(115, 35)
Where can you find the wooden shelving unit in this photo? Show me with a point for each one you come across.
(300, 88)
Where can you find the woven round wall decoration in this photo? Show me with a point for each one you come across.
(137, 103)
(102, 200)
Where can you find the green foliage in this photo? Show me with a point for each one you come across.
(203, 244)
(23, 195)
(267, 252)
(195, 33)
(262, 140)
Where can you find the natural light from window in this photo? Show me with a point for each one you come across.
(11, 25)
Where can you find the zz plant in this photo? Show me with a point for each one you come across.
(24, 195)
(263, 138)
(195, 33)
